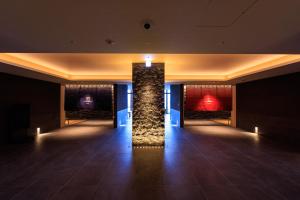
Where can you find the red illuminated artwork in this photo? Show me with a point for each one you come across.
(208, 98)
(209, 103)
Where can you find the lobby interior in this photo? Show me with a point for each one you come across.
(150, 100)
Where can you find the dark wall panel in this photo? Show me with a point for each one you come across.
(121, 111)
(88, 101)
(148, 104)
(122, 97)
(272, 105)
(26, 104)
(177, 104)
(175, 97)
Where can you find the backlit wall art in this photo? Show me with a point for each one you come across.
(208, 97)
(211, 100)
(92, 101)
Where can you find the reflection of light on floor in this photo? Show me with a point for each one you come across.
(222, 121)
(83, 130)
(40, 138)
(167, 120)
(95, 123)
(252, 135)
(208, 122)
(77, 132)
(224, 132)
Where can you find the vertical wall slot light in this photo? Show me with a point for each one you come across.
(148, 61)
(38, 130)
(256, 129)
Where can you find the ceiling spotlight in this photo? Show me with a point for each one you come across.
(148, 60)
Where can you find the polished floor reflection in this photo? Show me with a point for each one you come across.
(91, 160)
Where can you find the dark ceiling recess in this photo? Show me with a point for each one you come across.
(147, 24)
(110, 41)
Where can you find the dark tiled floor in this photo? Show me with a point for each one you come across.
(93, 161)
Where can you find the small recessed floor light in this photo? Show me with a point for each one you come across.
(256, 129)
(38, 130)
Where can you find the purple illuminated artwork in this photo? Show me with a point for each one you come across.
(86, 102)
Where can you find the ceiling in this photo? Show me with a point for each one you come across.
(196, 39)
(185, 27)
(118, 67)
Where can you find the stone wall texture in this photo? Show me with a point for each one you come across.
(148, 105)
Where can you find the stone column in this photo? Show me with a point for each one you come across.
(148, 104)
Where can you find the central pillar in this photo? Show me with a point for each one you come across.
(148, 104)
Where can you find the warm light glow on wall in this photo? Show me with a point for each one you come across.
(117, 67)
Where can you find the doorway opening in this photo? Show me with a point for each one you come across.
(167, 104)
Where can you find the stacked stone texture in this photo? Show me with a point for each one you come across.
(148, 105)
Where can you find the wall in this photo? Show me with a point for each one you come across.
(207, 101)
(148, 104)
(122, 111)
(272, 105)
(177, 105)
(88, 101)
(26, 104)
